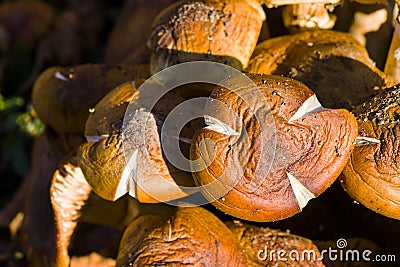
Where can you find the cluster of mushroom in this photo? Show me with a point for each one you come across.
(334, 114)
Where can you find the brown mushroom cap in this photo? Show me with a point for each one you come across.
(371, 176)
(191, 237)
(329, 62)
(261, 244)
(114, 165)
(222, 31)
(106, 118)
(62, 96)
(312, 147)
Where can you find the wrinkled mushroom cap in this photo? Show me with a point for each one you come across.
(329, 62)
(222, 31)
(312, 145)
(258, 243)
(62, 96)
(117, 161)
(192, 237)
(371, 176)
(106, 118)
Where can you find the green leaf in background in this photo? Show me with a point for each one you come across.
(10, 103)
(30, 124)
(17, 127)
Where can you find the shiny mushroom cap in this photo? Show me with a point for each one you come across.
(329, 62)
(221, 31)
(371, 176)
(191, 237)
(120, 159)
(275, 145)
(62, 96)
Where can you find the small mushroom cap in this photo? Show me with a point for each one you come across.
(258, 243)
(116, 162)
(221, 31)
(329, 62)
(371, 176)
(62, 96)
(192, 237)
(106, 118)
(312, 146)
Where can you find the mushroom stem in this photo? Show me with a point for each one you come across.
(308, 16)
(366, 23)
(69, 191)
(392, 66)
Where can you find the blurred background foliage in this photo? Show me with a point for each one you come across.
(20, 63)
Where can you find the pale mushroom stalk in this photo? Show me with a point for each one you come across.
(366, 23)
(68, 192)
(392, 66)
(308, 16)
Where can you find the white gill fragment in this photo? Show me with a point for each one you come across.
(309, 106)
(61, 77)
(218, 126)
(182, 139)
(127, 184)
(96, 138)
(302, 194)
(363, 141)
